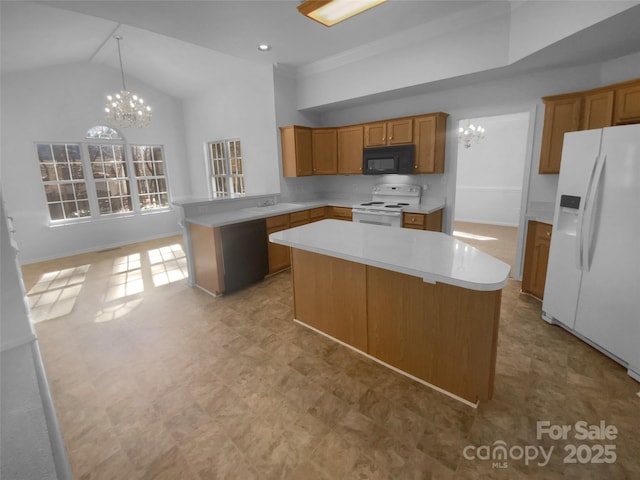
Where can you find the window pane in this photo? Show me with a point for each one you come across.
(63, 171)
(44, 152)
(80, 191)
(55, 211)
(59, 153)
(73, 152)
(83, 209)
(103, 132)
(52, 192)
(159, 167)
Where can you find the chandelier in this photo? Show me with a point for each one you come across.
(126, 109)
(470, 133)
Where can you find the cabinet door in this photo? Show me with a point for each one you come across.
(316, 214)
(433, 222)
(413, 220)
(296, 151)
(279, 255)
(627, 107)
(375, 134)
(429, 138)
(341, 213)
(324, 143)
(598, 110)
(298, 218)
(350, 145)
(560, 116)
(400, 131)
(536, 257)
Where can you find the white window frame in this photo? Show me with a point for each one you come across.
(90, 183)
(225, 181)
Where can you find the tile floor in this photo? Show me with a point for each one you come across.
(153, 379)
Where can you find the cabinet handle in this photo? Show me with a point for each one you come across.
(548, 234)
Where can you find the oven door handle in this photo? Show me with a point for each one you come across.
(377, 212)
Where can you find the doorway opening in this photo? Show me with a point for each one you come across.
(489, 186)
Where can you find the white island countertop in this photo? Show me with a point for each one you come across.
(432, 256)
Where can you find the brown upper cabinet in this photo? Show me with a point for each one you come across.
(627, 109)
(561, 115)
(616, 104)
(390, 132)
(429, 134)
(350, 145)
(324, 148)
(296, 151)
(338, 150)
(598, 110)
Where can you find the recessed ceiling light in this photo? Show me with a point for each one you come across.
(263, 47)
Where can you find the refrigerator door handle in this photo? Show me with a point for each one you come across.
(589, 213)
(581, 217)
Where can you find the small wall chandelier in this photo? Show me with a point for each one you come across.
(126, 109)
(470, 133)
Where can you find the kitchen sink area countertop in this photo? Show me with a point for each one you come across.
(432, 256)
(245, 214)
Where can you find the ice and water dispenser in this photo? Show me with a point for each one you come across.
(568, 214)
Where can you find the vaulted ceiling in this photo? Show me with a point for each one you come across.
(176, 45)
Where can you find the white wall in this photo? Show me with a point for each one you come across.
(240, 103)
(493, 35)
(60, 103)
(490, 173)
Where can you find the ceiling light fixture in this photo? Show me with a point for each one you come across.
(330, 12)
(125, 109)
(263, 47)
(470, 133)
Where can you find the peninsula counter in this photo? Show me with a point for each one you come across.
(420, 302)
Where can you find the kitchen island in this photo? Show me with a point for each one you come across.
(420, 302)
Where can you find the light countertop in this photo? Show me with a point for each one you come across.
(247, 214)
(432, 256)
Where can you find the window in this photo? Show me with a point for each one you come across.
(148, 165)
(109, 168)
(121, 181)
(225, 168)
(63, 178)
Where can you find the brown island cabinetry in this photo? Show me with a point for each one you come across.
(440, 330)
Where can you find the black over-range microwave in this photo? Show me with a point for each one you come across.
(391, 159)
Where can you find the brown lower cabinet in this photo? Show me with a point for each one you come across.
(340, 213)
(423, 221)
(280, 255)
(536, 257)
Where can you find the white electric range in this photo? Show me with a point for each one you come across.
(387, 203)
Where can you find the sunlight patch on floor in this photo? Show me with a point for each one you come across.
(168, 264)
(56, 292)
(472, 236)
(126, 278)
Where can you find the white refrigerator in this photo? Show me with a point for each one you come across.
(593, 276)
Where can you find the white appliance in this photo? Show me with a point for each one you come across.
(593, 276)
(386, 205)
